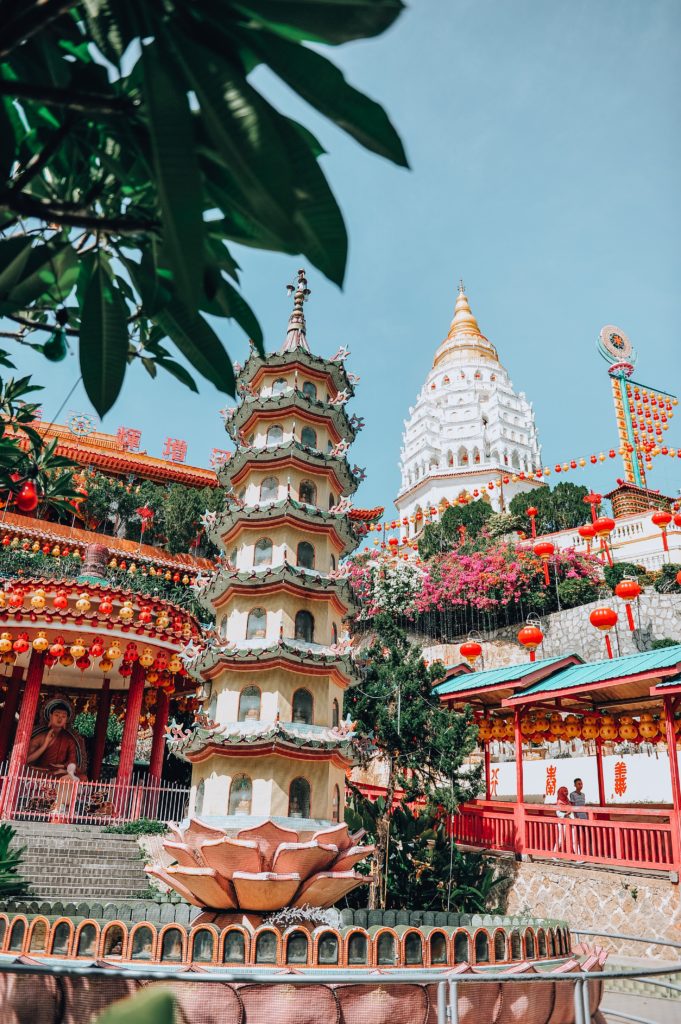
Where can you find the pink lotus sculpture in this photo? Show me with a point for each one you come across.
(262, 868)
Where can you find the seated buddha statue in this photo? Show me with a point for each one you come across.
(54, 749)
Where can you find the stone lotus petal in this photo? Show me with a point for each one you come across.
(327, 887)
(305, 858)
(207, 887)
(262, 868)
(228, 855)
(265, 890)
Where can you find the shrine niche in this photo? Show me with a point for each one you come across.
(56, 749)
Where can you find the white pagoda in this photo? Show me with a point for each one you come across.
(468, 427)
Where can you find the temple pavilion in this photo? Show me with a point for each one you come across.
(271, 742)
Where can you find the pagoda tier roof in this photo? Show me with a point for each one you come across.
(216, 653)
(290, 451)
(238, 417)
(57, 533)
(333, 368)
(366, 515)
(288, 510)
(105, 452)
(209, 589)
(260, 738)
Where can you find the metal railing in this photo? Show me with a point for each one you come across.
(34, 796)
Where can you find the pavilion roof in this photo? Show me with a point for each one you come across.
(462, 682)
(616, 680)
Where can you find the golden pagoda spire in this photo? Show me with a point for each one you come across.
(464, 338)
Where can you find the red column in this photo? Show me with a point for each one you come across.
(9, 710)
(132, 724)
(101, 723)
(159, 735)
(22, 740)
(669, 708)
(519, 787)
(599, 769)
(488, 781)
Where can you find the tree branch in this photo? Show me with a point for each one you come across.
(20, 22)
(39, 160)
(27, 206)
(83, 102)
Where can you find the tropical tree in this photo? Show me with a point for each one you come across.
(558, 508)
(135, 149)
(455, 523)
(421, 744)
(11, 882)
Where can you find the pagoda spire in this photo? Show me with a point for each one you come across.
(296, 336)
(463, 321)
(464, 338)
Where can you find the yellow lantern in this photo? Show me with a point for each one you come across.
(5, 643)
(3, 599)
(589, 727)
(35, 546)
(627, 729)
(114, 652)
(499, 729)
(557, 727)
(510, 730)
(106, 664)
(77, 650)
(9, 658)
(608, 728)
(162, 620)
(528, 727)
(55, 551)
(542, 724)
(41, 643)
(67, 659)
(175, 664)
(572, 727)
(126, 611)
(83, 603)
(647, 726)
(484, 730)
(152, 676)
(38, 600)
(147, 657)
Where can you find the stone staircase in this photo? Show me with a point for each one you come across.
(76, 862)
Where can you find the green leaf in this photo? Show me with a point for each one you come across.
(230, 303)
(199, 344)
(177, 172)
(178, 371)
(104, 28)
(319, 82)
(7, 144)
(153, 1006)
(49, 270)
(325, 21)
(14, 253)
(103, 340)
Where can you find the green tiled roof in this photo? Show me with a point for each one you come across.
(602, 671)
(494, 676)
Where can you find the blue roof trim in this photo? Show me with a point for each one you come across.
(494, 676)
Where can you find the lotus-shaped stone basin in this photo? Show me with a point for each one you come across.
(262, 868)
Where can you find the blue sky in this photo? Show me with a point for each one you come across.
(544, 146)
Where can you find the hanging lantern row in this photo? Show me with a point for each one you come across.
(548, 728)
(54, 550)
(158, 666)
(148, 618)
(428, 515)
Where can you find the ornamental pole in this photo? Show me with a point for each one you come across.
(669, 709)
(132, 723)
(22, 740)
(10, 709)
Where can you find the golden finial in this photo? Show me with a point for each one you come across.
(464, 336)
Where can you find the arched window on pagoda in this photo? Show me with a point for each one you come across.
(332, 561)
(262, 552)
(462, 456)
(301, 707)
(299, 799)
(310, 390)
(515, 459)
(307, 492)
(305, 555)
(279, 386)
(308, 436)
(275, 435)
(335, 714)
(334, 633)
(198, 800)
(240, 795)
(249, 704)
(256, 627)
(332, 499)
(304, 629)
(476, 456)
(335, 804)
(269, 489)
(495, 456)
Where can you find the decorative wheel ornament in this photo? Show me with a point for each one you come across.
(615, 347)
(80, 424)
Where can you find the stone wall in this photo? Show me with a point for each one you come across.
(570, 631)
(641, 904)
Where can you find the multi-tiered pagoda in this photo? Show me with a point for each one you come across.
(271, 742)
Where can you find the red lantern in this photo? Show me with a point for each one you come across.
(20, 645)
(471, 651)
(532, 512)
(27, 498)
(677, 520)
(83, 663)
(662, 519)
(530, 637)
(97, 647)
(57, 648)
(15, 599)
(544, 549)
(603, 527)
(628, 590)
(60, 601)
(105, 606)
(604, 619)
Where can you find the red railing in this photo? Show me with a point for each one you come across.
(626, 836)
(32, 796)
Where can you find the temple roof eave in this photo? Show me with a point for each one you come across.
(287, 508)
(274, 453)
(219, 653)
(335, 368)
(262, 738)
(291, 399)
(224, 579)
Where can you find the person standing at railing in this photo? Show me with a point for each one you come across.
(564, 810)
(578, 798)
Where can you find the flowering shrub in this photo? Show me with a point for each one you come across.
(383, 587)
